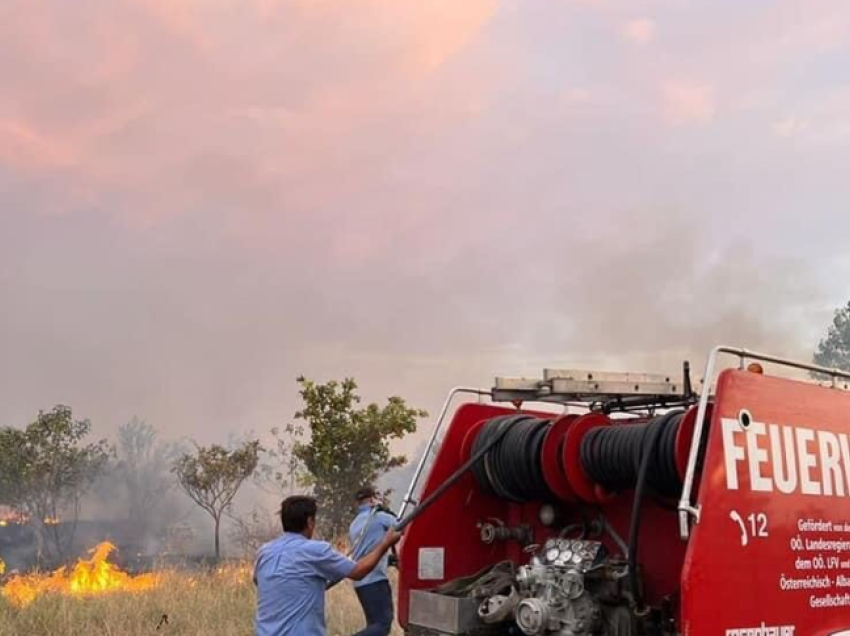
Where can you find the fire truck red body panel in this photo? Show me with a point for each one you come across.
(748, 564)
(769, 555)
(452, 525)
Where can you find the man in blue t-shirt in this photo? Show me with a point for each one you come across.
(365, 533)
(292, 572)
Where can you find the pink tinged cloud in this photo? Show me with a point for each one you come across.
(448, 27)
(640, 31)
(152, 104)
(808, 25)
(790, 127)
(25, 149)
(432, 32)
(576, 97)
(823, 119)
(687, 103)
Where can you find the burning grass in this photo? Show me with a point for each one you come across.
(88, 577)
(169, 602)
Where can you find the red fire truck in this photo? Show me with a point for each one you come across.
(639, 508)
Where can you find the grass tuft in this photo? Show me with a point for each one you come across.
(219, 603)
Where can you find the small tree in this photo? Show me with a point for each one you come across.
(144, 468)
(212, 476)
(834, 349)
(251, 530)
(45, 469)
(280, 471)
(348, 446)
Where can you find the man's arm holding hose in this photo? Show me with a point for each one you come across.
(367, 563)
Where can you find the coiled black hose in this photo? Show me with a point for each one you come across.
(612, 455)
(657, 443)
(635, 456)
(512, 469)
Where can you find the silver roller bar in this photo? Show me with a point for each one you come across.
(411, 489)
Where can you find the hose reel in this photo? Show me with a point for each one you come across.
(579, 458)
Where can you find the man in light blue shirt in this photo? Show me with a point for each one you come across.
(292, 572)
(374, 591)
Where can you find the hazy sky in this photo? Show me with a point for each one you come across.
(202, 199)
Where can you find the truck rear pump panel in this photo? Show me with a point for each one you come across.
(769, 554)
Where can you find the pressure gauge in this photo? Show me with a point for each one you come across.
(547, 514)
(577, 558)
(552, 554)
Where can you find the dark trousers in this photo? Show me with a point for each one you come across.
(377, 602)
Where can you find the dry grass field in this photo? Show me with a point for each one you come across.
(219, 603)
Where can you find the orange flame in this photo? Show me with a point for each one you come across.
(10, 517)
(89, 577)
